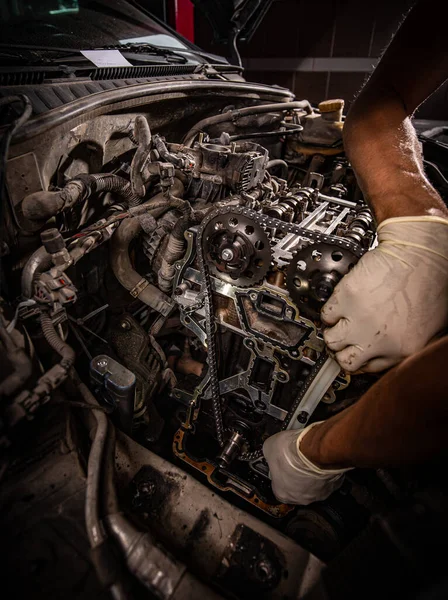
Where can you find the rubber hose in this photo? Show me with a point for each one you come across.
(41, 206)
(232, 115)
(277, 162)
(127, 275)
(111, 183)
(38, 262)
(56, 342)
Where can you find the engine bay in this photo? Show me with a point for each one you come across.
(175, 267)
(227, 253)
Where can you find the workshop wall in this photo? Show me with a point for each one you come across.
(321, 50)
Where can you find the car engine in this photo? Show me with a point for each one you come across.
(184, 281)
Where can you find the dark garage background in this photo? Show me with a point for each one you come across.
(320, 50)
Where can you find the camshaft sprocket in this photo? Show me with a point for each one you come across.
(237, 249)
(314, 272)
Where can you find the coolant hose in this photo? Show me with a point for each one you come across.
(38, 262)
(233, 115)
(138, 286)
(103, 556)
(120, 261)
(277, 162)
(41, 206)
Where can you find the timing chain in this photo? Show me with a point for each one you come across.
(270, 223)
(211, 341)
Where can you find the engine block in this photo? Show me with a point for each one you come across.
(250, 288)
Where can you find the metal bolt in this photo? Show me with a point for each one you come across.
(227, 254)
(265, 570)
(303, 416)
(125, 325)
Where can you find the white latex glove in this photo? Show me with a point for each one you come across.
(295, 479)
(394, 300)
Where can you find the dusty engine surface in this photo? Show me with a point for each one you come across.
(224, 252)
(257, 270)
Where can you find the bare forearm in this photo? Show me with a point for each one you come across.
(378, 135)
(385, 153)
(402, 419)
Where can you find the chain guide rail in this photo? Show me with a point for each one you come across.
(268, 223)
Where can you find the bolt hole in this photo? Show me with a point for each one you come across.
(301, 265)
(233, 222)
(297, 282)
(258, 263)
(316, 255)
(249, 274)
(259, 245)
(218, 225)
(337, 256)
(249, 230)
(187, 320)
(204, 468)
(263, 571)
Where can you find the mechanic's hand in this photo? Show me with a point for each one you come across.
(394, 300)
(295, 479)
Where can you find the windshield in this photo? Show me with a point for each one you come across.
(80, 24)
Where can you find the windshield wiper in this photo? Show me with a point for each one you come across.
(146, 48)
(45, 55)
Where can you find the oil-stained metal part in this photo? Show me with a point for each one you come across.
(238, 250)
(231, 449)
(313, 274)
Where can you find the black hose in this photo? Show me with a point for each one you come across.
(56, 342)
(120, 261)
(41, 206)
(110, 183)
(104, 559)
(38, 262)
(233, 115)
(277, 162)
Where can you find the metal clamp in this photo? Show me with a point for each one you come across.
(139, 287)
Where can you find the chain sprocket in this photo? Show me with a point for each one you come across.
(314, 272)
(237, 249)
